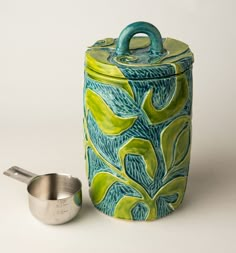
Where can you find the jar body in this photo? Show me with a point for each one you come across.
(137, 143)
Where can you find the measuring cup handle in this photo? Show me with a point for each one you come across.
(19, 174)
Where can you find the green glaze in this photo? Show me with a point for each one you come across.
(145, 149)
(100, 184)
(124, 207)
(182, 147)
(176, 186)
(176, 51)
(117, 82)
(106, 119)
(137, 122)
(177, 102)
(105, 56)
(176, 140)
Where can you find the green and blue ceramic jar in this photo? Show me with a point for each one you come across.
(137, 122)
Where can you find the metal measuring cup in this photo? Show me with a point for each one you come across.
(53, 198)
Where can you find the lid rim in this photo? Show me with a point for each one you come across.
(133, 79)
(137, 65)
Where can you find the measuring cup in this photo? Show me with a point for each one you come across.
(53, 198)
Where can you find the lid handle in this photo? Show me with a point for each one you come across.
(129, 31)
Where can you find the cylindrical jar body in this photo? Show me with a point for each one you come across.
(137, 124)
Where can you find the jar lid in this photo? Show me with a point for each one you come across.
(138, 57)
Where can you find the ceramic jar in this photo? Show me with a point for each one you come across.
(137, 123)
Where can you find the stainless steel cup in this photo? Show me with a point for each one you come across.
(53, 198)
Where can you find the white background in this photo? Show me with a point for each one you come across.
(42, 46)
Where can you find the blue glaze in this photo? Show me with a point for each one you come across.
(156, 47)
(162, 80)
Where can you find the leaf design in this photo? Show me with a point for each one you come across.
(137, 170)
(95, 165)
(163, 91)
(107, 121)
(102, 66)
(182, 145)
(141, 211)
(107, 80)
(175, 49)
(100, 185)
(117, 191)
(177, 102)
(175, 142)
(141, 147)
(119, 101)
(174, 186)
(124, 207)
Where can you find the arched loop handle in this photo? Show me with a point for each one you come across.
(156, 47)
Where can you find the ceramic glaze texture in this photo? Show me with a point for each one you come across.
(137, 122)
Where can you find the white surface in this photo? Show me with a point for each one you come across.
(42, 45)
